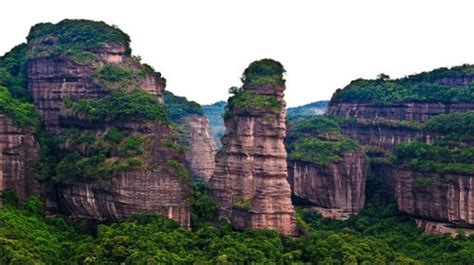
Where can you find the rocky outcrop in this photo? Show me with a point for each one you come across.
(384, 136)
(51, 80)
(18, 153)
(156, 186)
(446, 199)
(336, 190)
(250, 182)
(412, 111)
(200, 146)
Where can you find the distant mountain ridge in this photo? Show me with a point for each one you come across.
(314, 108)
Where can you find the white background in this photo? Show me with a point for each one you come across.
(202, 47)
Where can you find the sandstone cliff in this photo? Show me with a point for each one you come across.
(89, 101)
(409, 110)
(326, 170)
(336, 190)
(18, 153)
(250, 182)
(201, 147)
(387, 114)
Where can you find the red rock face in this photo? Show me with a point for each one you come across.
(413, 111)
(384, 136)
(441, 199)
(201, 147)
(337, 190)
(18, 152)
(250, 182)
(441, 204)
(156, 188)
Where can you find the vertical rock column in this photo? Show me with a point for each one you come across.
(201, 147)
(250, 182)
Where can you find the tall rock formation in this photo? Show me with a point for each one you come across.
(116, 149)
(250, 182)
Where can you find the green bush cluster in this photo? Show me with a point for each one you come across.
(83, 156)
(119, 105)
(457, 126)
(435, 158)
(425, 87)
(321, 152)
(265, 71)
(73, 36)
(245, 100)
(181, 107)
(20, 112)
(13, 72)
(317, 139)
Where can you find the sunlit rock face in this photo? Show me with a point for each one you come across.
(19, 151)
(250, 182)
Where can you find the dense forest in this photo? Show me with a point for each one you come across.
(380, 234)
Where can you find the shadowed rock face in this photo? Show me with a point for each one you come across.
(18, 152)
(155, 188)
(337, 190)
(250, 182)
(201, 147)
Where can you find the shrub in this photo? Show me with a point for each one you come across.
(180, 107)
(118, 106)
(21, 113)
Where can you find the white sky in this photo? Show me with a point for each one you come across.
(202, 47)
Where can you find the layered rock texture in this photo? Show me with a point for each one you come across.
(336, 190)
(131, 164)
(250, 182)
(430, 181)
(326, 170)
(19, 151)
(201, 147)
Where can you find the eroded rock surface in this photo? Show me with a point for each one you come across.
(250, 182)
(200, 145)
(19, 151)
(337, 190)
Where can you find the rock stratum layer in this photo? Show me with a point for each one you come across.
(156, 186)
(440, 202)
(201, 147)
(410, 111)
(250, 182)
(19, 151)
(336, 190)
